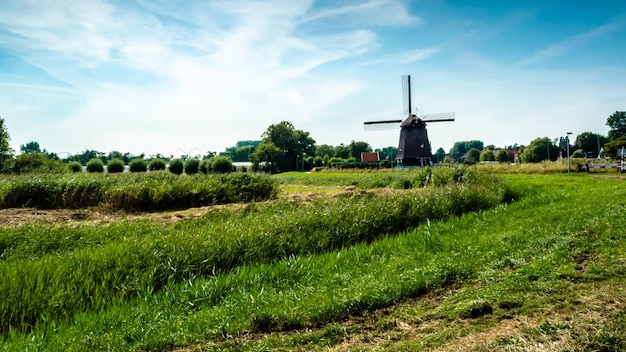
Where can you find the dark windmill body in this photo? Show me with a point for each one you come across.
(414, 146)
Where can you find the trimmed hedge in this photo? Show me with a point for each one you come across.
(135, 192)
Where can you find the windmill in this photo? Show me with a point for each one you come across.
(414, 146)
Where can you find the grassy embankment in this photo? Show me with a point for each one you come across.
(398, 287)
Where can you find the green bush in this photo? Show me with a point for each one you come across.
(75, 166)
(205, 165)
(138, 165)
(95, 165)
(191, 166)
(115, 166)
(176, 166)
(38, 163)
(222, 165)
(157, 164)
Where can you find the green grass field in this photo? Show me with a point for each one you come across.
(518, 262)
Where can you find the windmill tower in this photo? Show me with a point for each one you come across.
(414, 147)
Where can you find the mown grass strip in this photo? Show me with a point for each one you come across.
(312, 290)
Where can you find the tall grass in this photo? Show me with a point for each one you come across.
(135, 191)
(307, 291)
(55, 273)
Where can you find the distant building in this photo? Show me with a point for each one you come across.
(370, 157)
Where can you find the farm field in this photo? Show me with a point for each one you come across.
(477, 262)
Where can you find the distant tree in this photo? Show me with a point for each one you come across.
(30, 147)
(473, 155)
(356, 148)
(318, 161)
(502, 156)
(222, 165)
(6, 152)
(205, 165)
(539, 150)
(325, 150)
(191, 166)
(265, 156)
(591, 142)
(177, 166)
(490, 147)
(612, 147)
(439, 155)
(487, 155)
(115, 165)
(617, 123)
(95, 165)
(291, 144)
(460, 148)
(138, 165)
(157, 164)
(388, 153)
(37, 163)
(342, 151)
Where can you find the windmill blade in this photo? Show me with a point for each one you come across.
(406, 94)
(442, 116)
(381, 125)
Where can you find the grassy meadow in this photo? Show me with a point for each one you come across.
(473, 261)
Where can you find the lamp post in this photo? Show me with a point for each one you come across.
(568, 162)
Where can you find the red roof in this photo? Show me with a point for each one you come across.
(369, 157)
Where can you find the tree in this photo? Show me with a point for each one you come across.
(591, 142)
(325, 150)
(356, 148)
(388, 153)
(463, 147)
(292, 144)
(473, 155)
(30, 147)
(264, 157)
(612, 147)
(222, 165)
(342, 151)
(502, 156)
(487, 155)
(6, 152)
(539, 150)
(177, 166)
(439, 155)
(617, 123)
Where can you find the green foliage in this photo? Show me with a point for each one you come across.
(356, 148)
(157, 164)
(134, 192)
(539, 150)
(176, 166)
(612, 147)
(138, 165)
(617, 125)
(192, 166)
(487, 155)
(205, 165)
(6, 152)
(75, 166)
(115, 166)
(106, 266)
(281, 146)
(30, 147)
(473, 155)
(591, 142)
(460, 148)
(502, 156)
(95, 165)
(221, 165)
(37, 163)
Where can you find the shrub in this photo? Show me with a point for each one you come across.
(205, 165)
(157, 164)
(37, 162)
(138, 165)
(95, 165)
(191, 166)
(176, 166)
(75, 166)
(115, 166)
(222, 165)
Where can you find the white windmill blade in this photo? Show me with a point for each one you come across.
(381, 126)
(438, 116)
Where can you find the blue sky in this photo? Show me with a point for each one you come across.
(171, 76)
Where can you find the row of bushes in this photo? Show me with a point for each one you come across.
(135, 192)
(95, 266)
(220, 164)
